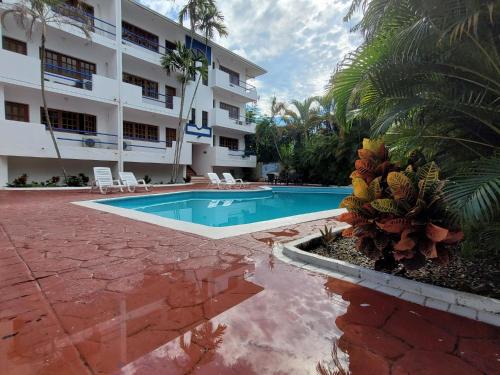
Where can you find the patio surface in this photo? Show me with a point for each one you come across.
(87, 292)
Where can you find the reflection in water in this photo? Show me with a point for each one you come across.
(199, 346)
(112, 329)
(337, 366)
(216, 210)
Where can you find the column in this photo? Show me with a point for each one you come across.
(4, 170)
(119, 74)
(2, 101)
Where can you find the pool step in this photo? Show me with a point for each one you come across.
(199, 180)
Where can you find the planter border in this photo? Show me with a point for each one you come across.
(484, 309)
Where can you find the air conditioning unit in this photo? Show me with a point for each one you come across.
(127, 146)
(90, 142)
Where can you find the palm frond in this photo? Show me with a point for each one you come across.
(475, 191)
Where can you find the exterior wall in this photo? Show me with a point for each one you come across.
(159, 173)
(27, 147)
(42, 169)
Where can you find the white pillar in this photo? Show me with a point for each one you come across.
(119, 74)
(4, 170)
(2, 101)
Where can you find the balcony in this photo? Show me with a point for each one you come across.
(142, 151)
(33, 140)
(222, 82)
(159, 103)
(142, 48)
(80, 16)
(221, 119)
(224, 157)
(21, 70)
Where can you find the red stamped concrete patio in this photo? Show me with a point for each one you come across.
(87, 292)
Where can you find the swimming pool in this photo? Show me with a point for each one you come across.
(219, 214)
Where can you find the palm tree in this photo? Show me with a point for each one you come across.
(186, 63)
(209, 21)
(417, 80)
(278, 109)
(31, 14)
(303, 116)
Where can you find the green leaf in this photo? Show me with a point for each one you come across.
(388, 206)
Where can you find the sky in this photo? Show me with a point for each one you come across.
(298, 42)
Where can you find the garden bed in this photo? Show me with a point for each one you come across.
(468, 274)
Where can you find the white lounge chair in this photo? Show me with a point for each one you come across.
(227, 203)
(131, 183)
(231, 181)
(216, 181)
(103, 180)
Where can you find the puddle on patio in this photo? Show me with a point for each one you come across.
(260, 317)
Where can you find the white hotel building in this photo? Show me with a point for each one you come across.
(111, 102)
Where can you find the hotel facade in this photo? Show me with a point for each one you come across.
(112, 104)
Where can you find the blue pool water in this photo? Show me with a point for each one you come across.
(226, 208)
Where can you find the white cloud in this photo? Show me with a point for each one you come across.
(299, 42)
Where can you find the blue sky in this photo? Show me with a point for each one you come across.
(299, 42)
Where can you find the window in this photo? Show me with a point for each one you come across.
(68, 66)
(149, 88)
(70, 121)
(169, 93)
(139, 36)
(14, 45)
(234, 77)
(17, 112)
(230, 143)
(204, 119)
(142, 132)
(234, 112)
(193, 116)
(170, 136)
(170, 46)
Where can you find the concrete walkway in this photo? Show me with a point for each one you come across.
(87, 292)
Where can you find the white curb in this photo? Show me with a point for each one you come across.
(469, 305)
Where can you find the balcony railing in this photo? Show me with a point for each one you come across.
(94, 24)
(68, 77)
(241, 120)
(96, 139)
(161, 100)
(235, 81)
(141, 41)
(89, 139)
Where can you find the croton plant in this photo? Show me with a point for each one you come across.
(398, 215)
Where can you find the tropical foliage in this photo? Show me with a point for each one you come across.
(427, 77)
(305, 138)
(398, 215)
(34, 15)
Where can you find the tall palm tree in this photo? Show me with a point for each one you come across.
(186, 63)
(304, 116)
(209, 22)
(278, 109)
(33, 14)
(428, 76)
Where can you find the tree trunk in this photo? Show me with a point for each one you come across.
(178, 138)
(46, 110)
